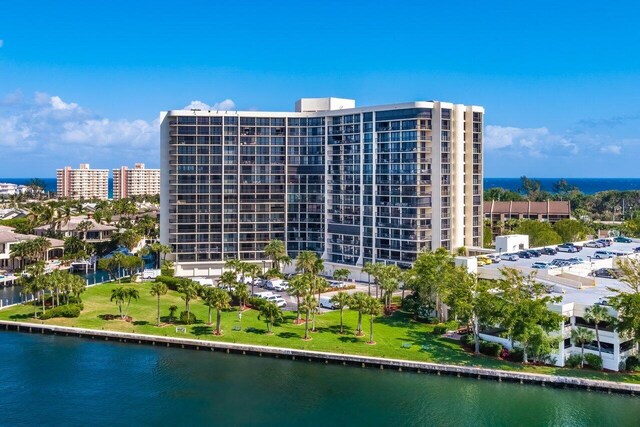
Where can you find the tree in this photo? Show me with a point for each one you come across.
(627, 302)
(30, 286)
(77, 286)
(372, 269)
(271, 313)
(582, 336)
(359, 304)
(570, 230)
(228, 279)
(172, 312)
(119, 295)
(341, 274)
(300, 286)
(112, 265)
(241, 292)
(540, 233)
(430, 275)
(159, 250)
(372, 308)
(276, 251)
(218, 299)
(388, 280)
(341, 300)
(597, 314)
(531, 187)
(522, 308)
(189, 290)
(470, 301)
(130, 293)
(309, 304)
(157, 290)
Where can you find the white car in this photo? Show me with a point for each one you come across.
(603, 254)
(277, 299)
(509, 257)
(280, 286)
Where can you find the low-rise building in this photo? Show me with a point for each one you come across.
(86, 229)
(9, 189)
(8, 238)
(499, 212)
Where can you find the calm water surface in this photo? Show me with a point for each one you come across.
(48, 380)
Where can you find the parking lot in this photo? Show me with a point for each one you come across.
(585, 269)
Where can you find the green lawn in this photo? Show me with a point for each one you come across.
(390, 333)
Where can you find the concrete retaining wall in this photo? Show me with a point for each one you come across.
(343, 359)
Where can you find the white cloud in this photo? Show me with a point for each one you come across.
(537, 142)
(227, 104)
(65, 133)
(611, 149)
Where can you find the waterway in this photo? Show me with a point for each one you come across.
(53, 380)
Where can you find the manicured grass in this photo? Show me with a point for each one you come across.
(390, 333)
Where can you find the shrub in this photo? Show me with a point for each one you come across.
(516, 355)
(573, 361)
(490, 348)
(70, 310)
(187, 320)
(256, 302)
(171, 282)
(632, 363)
(467, 340)
(594, 361)
(440, 329)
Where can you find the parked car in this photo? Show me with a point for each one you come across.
(622, 239)
(594, 244)
(560, 262)
(494, 258)
(534, 253)
(575, 260)
(336, 284)
(524, 254)
(264, 295)
(509, 257)
(541, 265)
(548, 251)
(636, 250)
(603, 254)
(607, 273)
(567, 248)
(483, 260)
(325, 302)
(605, 242)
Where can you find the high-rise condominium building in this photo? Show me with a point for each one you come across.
(83, 183)
(355, 185)
(135, 182)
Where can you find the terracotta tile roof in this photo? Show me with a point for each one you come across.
(528, 208)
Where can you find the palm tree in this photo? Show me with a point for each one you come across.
(341, 274)
(372, 269)
(29, 286)
(372, 308)
(342, 300)
(130, 293)
(119, 295)
(275, 250)
(241, 292)
(309, 304)
(21, 250)
(299, 286)
(306, 262)
(158, 289)
(218, 299)
(172, 312)
(77, 286)
(228, 279)
(159, 249)
(597, 314)
(359, 303)
(271, 313)
(582, 336)
(389, 285)
(189, 290)
(253, 271)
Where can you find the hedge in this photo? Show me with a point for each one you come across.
(440, 329)
(593, 360)
(69, 310)
(190, 320)
(573, 361)
(632, 363)
(490, 348)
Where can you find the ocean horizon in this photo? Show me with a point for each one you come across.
(586, 185)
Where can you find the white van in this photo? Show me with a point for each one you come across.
(325, 302)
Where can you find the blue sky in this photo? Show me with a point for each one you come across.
(84, 81)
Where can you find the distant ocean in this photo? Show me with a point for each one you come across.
(50, 183)
(586, 185)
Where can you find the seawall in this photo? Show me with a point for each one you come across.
(325, 357)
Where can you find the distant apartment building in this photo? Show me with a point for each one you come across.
(355, 185)
(135, 182)
(83, 183)
(500, 211)
(9, 189)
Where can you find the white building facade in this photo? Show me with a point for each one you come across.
(355, 185)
